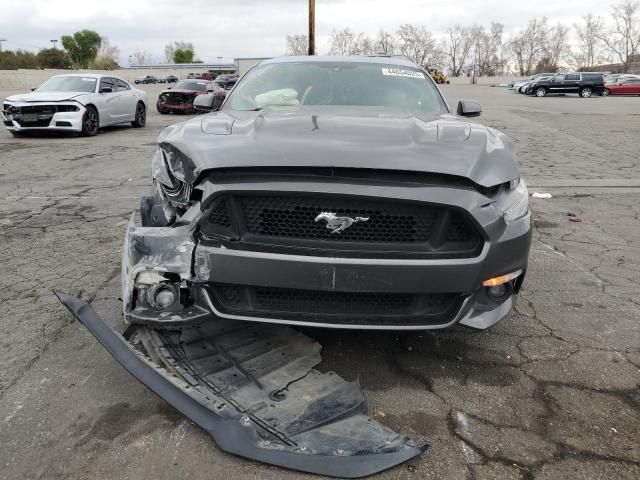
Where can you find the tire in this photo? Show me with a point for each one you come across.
(140, 119)
(586, 92)
(90, 122)
(606, 92)
(541, 92)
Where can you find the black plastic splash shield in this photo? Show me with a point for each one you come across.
(254, 390)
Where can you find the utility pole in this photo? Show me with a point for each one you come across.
(312, 27)
(54, 42)
(2, 40)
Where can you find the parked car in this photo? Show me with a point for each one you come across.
(584, 84)
(227, 81)
(618, 77)
(146, 79)
(517, 86)
(208, 76)
(168, 79)
(526, 88)
(628, 86)
(210, 101)
(179, 98)
(194, 76)
(309, 172)
(75, 103)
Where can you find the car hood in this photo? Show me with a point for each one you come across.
(46, 96)
(358, 137)
(181, 90)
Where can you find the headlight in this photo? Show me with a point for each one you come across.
(160, 171)
(520, 206)
(170, 187)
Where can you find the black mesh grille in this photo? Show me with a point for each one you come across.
(220, 215)
(380, 221)
(374, 227)
(336, 307)
(283, 299)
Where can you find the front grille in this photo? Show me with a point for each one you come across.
(381, 227)
(354, 308)
(175, 99)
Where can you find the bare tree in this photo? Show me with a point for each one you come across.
(557, 45)
(385, 43)
(528, 45)
(141, 57)
(487, 45)
(345, 42)
(108, 51)
(587, 52)
(416, 43)
(170, 49)
(457, 48)
(297, 45)
(623, 40)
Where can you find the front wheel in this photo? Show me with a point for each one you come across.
(586, 92)
(541, 92)
(606, 92)
(141, 116)
(90, 122)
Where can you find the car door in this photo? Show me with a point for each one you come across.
(126, 102)
(571, 83)
(631, 86)
(556, 85)
(107, 103)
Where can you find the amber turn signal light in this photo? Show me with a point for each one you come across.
(502, 279)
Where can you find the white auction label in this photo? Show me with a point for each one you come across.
(399, 72)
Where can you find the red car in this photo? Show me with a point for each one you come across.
(179, 98)
(629, 86)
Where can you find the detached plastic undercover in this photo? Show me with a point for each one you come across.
(253, 388)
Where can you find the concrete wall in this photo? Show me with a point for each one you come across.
(25, 79)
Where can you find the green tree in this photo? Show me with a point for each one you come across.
(10, 60)
(183, 56)
(53, 58)
(82, 46)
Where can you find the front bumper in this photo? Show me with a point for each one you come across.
(59, 121)
(175, 107)
(254, 390)
(198, 267)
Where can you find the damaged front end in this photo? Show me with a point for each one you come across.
(251, 386)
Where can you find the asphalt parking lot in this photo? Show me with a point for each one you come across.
(550, 392)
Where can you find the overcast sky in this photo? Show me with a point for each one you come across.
(255, 28)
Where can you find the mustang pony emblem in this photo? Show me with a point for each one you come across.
(338, 224)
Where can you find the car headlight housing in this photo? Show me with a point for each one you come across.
(176, 191)
(519, 201)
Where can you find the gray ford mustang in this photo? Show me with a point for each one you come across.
(332, 192)
(335, 192)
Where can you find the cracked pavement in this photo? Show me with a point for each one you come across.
(550, 392)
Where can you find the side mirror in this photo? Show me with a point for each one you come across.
(469, 108)
(33, 89)
(106, 90)
(204, 103)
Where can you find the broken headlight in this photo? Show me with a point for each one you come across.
(176, 191)
(518, 201)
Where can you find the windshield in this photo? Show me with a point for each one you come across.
(68, 84)
(336, 83)
(191, 85)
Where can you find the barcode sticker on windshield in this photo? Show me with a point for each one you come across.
(398, 72)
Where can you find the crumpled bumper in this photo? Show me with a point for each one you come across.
(254, 390)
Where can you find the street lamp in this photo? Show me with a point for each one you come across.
(130, 57)
(54, 42)
(219, 59)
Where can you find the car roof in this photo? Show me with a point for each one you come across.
(97, 76)
(376, 59)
